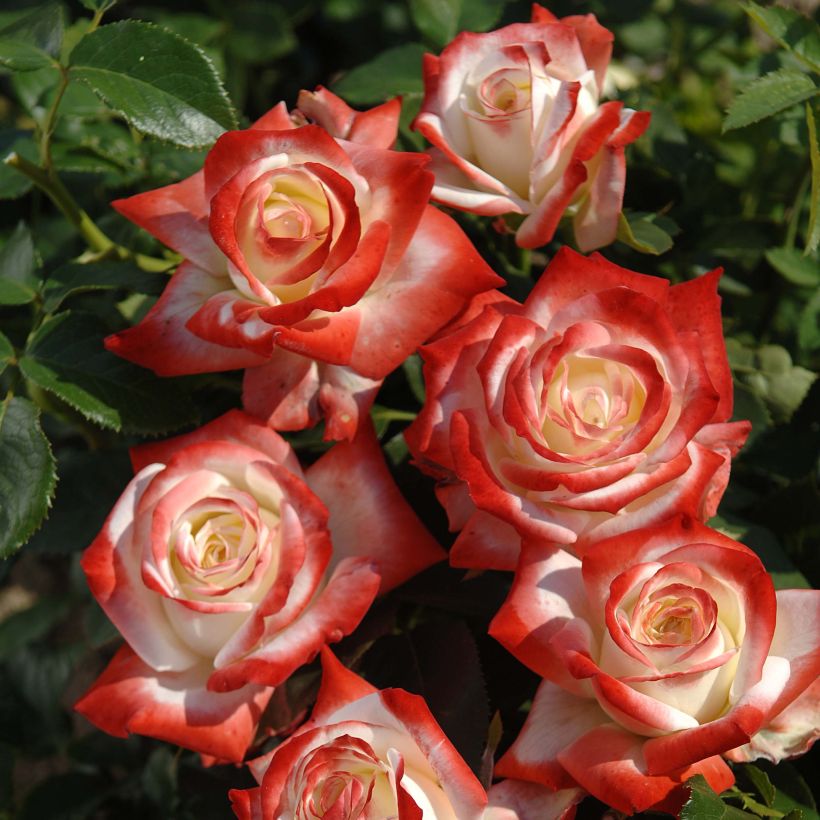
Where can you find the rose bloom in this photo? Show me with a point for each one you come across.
(663, 649)
(226, 567)
(367, 754)
(597, 406)
(518, 128)
(306, 261)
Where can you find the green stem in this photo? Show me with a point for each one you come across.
(394, 415)
(796, 209)
(51, 185)
(47, 128)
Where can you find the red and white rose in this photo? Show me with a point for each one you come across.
(226, 567)
(518, 127)
(367, 754)
(661, 650)
(599, 405)
(306, 260)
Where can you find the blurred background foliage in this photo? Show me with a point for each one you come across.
(704, 189)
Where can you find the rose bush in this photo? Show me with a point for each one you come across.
(225, 567)
(306, 258)
(595, 407)
(376, 754)
(517, 125)
(661, 650)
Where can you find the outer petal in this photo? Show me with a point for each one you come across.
(234, 426)
(177, 215)
(699, 298)
(519, 800)
(113, 569)
(486, 542)
(340, 687)
(246, 803)
(377, 127)
(608, 763)
(368, 515)
(465, 793)
(284, 392)
(175, 706)
(163, 343)
(791, 732)
(556, 720)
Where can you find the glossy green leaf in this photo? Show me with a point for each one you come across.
(66, 357)
(793, 266)
(703, 802)
(33, 40)
(27, 473)
(160, 83)
(768, 95)
(395, 71)
(790, 28)
(813, 233)
(640, 232)
(18, 283)
(75, 277)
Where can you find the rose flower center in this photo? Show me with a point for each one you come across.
(590, 401)
(506, 91)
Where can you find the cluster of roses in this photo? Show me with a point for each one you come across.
(578, 439)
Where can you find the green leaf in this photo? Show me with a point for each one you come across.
(162, 84)
(33, 40)
(793, 793)
(767, 95)
(6, 352)
(30, 625)
(761, 782)
(395, 71)
(794, 266)
(480, 15)
(790, 28)
(18, 284)
(639, 231)
(27, 474)
(159, 779)
(437, 20)
(75, 277)
(66, 357)
(813, 233)
(703, 802)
